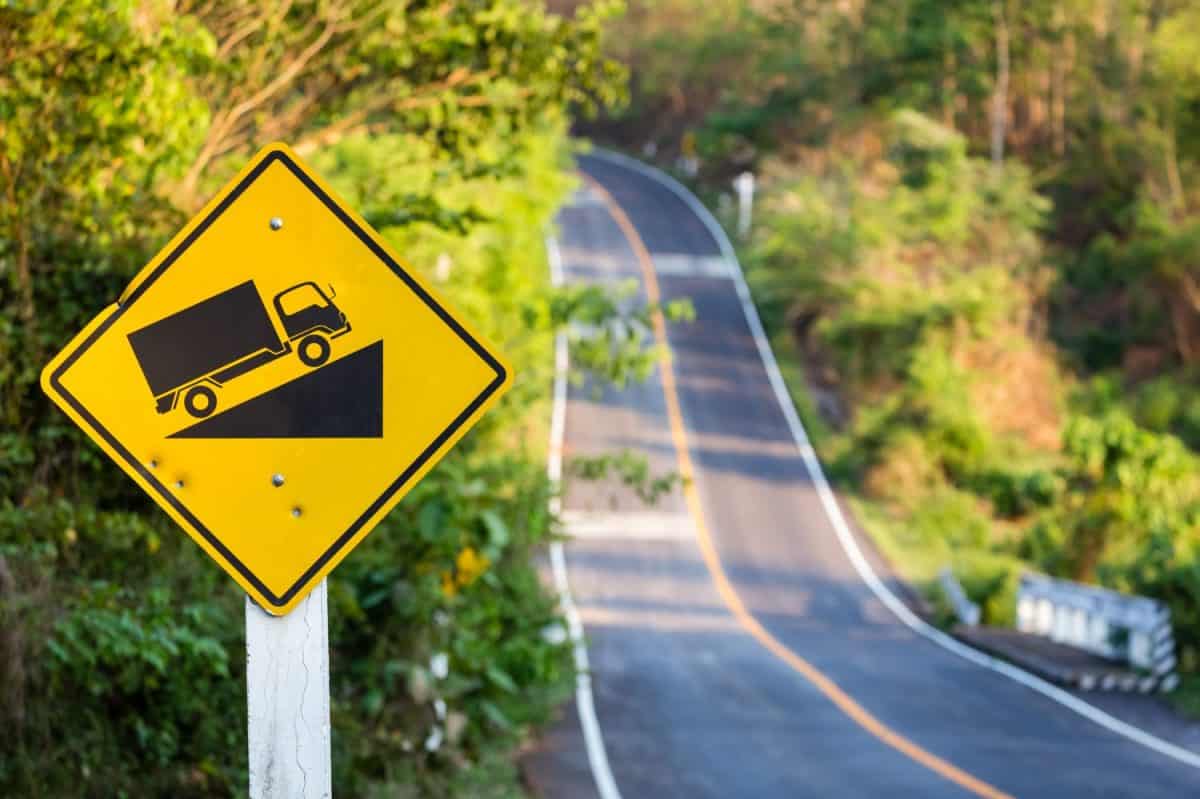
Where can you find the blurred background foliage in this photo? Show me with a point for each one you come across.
(975, 246)
(977, 241)
(121, 651)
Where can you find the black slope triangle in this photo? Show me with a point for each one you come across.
(343, 399)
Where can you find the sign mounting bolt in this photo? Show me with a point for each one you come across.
(277, 480)
(296, 513)
(276, 222)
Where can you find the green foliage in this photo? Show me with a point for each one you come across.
(898, 302)
(120, 646)
(1130, 518)
(1167, 566)
(465, 78)
(991, 581)
(609, 334)
(946, 310)
(953, 517)
(94, 112)
(1123, 483)
(1186, 698)
(117, 644)
(909, 277)
(451, 648)
(1015, 494)
(630, 469)
(150, 657)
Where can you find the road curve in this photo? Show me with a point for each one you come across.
(734, 649)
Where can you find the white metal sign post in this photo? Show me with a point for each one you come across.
(287, 698)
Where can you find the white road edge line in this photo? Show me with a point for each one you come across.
(834, 512)
(606, 784)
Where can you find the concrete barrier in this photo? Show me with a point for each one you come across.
(1133, 630)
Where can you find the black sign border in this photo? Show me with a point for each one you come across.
(281, 599)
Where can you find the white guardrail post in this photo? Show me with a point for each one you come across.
(967, 611)
(743, 184)
(1133, 629)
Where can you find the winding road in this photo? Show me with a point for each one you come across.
(736, 647)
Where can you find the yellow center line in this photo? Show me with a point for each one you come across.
(843, 701)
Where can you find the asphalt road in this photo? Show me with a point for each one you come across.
(690, 702)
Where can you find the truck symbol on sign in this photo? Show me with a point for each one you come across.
(195, 351)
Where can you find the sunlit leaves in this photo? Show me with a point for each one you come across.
(445, 124)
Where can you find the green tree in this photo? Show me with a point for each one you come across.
(453, 74)
(446, 123)
(1122, 481)
(95, 111)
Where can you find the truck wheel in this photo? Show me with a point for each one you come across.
(313, 350)
(200, 401)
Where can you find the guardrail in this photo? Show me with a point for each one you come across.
(1134, 630)
(967, 611)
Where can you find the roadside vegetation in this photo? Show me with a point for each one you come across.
(121, 648)
(977, 242)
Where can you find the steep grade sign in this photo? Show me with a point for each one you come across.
(276, 379)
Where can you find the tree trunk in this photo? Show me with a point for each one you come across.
(1183, 311)
(25, 308)
(1171, 156)
(1000, 93)
(1058, 93)
(949, 87)
(12, 652)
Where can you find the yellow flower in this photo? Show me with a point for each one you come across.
(470, 565)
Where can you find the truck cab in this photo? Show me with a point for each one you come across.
(304, 308)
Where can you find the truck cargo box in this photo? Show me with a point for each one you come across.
(203, 338)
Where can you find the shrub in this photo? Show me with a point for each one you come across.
(122, 648)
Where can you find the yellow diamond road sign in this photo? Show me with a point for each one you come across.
(276, 379)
